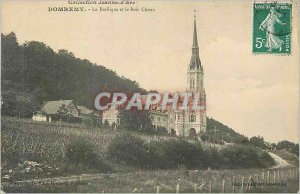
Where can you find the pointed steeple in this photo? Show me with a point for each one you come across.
(195, 40)
(195, 62)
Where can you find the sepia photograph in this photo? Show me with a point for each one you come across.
(150, 96)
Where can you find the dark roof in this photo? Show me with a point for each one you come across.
(51, 107)
(84, 110)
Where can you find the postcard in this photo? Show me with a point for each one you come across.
(128, 96)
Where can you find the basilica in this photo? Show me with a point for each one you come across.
(187, 123)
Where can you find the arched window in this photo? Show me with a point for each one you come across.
(192, 117)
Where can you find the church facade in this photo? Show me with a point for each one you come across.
(187, 123)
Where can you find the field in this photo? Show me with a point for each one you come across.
(27, 143)
(166, 181)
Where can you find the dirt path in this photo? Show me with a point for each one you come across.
(280, 163)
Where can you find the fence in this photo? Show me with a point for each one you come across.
(239, 184)
(197, 183)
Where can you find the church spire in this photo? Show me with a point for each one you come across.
(195, 62)
(195, 41)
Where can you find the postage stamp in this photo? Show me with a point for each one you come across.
(271, 28)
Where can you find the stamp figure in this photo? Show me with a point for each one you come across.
(271, 28)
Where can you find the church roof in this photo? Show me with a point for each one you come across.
(158, 106)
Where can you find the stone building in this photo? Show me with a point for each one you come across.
(50, 111)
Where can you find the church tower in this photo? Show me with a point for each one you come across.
(195, 69)
(195, 79)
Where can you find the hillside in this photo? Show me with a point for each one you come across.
(33, 72)
(223, 132)
(291, 159)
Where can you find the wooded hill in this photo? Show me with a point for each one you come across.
(33, 72)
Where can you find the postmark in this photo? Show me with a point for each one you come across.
(271, 28)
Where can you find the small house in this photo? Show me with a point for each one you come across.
(53, 110)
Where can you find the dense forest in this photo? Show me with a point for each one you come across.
(33, 72)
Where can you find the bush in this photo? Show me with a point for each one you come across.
(91, 122)
(212, 158)
(161, 131)
(166, 154)
(80, 153)
(245, 156)
(129, 149)
(174, 153)
(181, 153)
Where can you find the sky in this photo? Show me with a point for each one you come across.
(253, 94)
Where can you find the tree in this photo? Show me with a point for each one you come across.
(153, 91)
(290, 146)
(11, 58)
(18, 104)
(258, 141)
(137, 120)
(34, 69)
(9, 104)
(295, 149)
(204, 137)
(285, 145)
(106, 124)
(64, 114)
(273, 146)
(113, 125)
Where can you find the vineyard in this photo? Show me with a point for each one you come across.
(36, 140)
(43, 140)
(26, 141)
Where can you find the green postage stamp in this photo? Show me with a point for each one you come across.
(271, 28)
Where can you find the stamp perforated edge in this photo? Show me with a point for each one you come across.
(291, 53)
